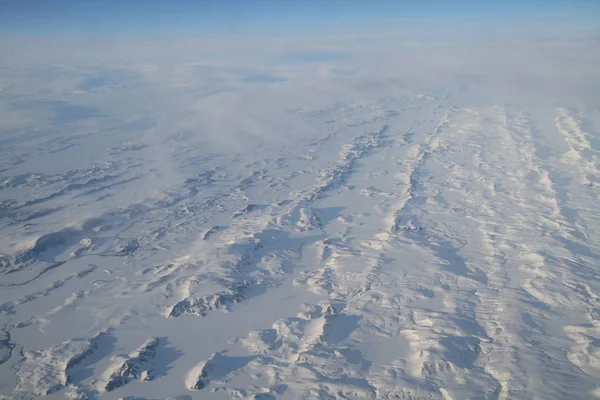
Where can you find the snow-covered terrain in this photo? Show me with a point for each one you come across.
(351, 230)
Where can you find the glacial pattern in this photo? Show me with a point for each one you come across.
(417, 247)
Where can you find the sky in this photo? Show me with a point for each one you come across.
(112, 17)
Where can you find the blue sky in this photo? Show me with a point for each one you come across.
(32, 17)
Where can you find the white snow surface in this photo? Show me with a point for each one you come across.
(432, 238)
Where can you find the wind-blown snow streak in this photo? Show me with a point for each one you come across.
(47, 371)
(256, 241)
(137, 365)
(444, 254)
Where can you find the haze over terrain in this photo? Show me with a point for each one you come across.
(299, 200)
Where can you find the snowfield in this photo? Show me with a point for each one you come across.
(426, 242)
